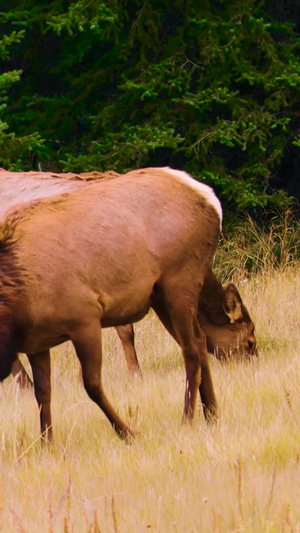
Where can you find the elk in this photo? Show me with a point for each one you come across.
(16, 187)
(114, 249)
(225, 320)
(227, 335)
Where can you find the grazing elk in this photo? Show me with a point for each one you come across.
(16, 187)
(226, 336)
(225, 320)
(103, 256)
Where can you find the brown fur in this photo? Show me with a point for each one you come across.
(224, 339)
(83, 176)
(225, 320)
(16, 187)
(102, 256)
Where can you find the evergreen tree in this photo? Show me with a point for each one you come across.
(14, 150)
(211, 88)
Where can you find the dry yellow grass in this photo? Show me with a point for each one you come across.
(240, 476)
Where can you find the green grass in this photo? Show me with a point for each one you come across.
(242, 475)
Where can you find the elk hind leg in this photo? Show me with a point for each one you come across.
(87, 343)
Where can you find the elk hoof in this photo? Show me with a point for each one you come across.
(126, 434)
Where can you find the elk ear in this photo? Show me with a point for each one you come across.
(233, 303)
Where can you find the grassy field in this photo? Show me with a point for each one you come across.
(240, 476)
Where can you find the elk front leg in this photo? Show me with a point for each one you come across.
(183, 326)
(206, 389)
(22, 377)
(126, 335)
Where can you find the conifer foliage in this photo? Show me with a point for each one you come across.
(209, 87)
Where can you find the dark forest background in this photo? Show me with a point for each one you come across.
(210, 87)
